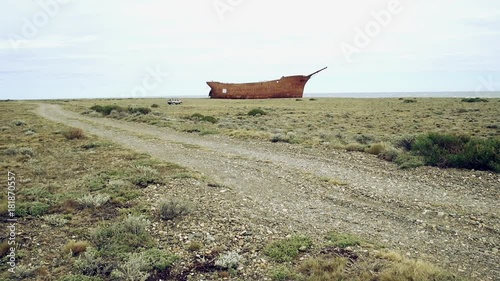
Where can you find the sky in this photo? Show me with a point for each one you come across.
(61, 49)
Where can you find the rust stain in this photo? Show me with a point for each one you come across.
(286, 87)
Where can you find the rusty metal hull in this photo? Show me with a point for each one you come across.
(286, 87)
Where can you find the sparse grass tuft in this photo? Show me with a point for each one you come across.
(75, 248)
(122, 237)
(74, 133)
(139, 110)
(228, 260)
(355, 147)
(194, 246)
(288, 249)
(282, 273)
(90, 263)
(145, 175)
(257, 112)
(377, 148)
(93, 201)
(133, 269)
(19, 123)
(342, 240)
(409, 161)
(390, 154)
(55, 219)
(415, 270)
(79, 277)
(327, 269)
(171, 209)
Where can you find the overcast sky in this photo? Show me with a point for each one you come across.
(170, 48)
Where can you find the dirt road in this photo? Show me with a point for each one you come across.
(450, 217)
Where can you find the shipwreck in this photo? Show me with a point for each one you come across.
(286, 87)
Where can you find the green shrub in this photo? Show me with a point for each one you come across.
(256, 112)
(98, 181)
(364, 139)
(409, 101)
(342, 240)
(405, 142)
(154, 105)
(408, 161)
(139, 110)
(201, 117)
(90, 263)
(106, 110)
(210, 119)
(458, 151)
(122, 237)
(159, 260)
(287, 249)
(196, 116)
(35, 209)
(474, 100)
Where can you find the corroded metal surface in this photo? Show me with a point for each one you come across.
(286, 87)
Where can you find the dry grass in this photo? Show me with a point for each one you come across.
(74, 133)
(332, 122)
(76, 247)
(56, 172)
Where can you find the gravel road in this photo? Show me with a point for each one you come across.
(449, 217)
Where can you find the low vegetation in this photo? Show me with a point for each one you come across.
(90, 196)
(171, 209)
(344, 257)
(474, 100)
(257, 112)
(288, 249)
(106, 110)
(74, 133)
(458, 151)
(376, 126)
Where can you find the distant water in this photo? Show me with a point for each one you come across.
(391, 95)
(407, 95)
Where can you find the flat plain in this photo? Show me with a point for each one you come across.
(245, 190)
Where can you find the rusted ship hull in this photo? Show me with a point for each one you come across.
(286, 87)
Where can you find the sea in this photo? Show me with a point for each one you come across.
(407, 95)
(377, 95)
